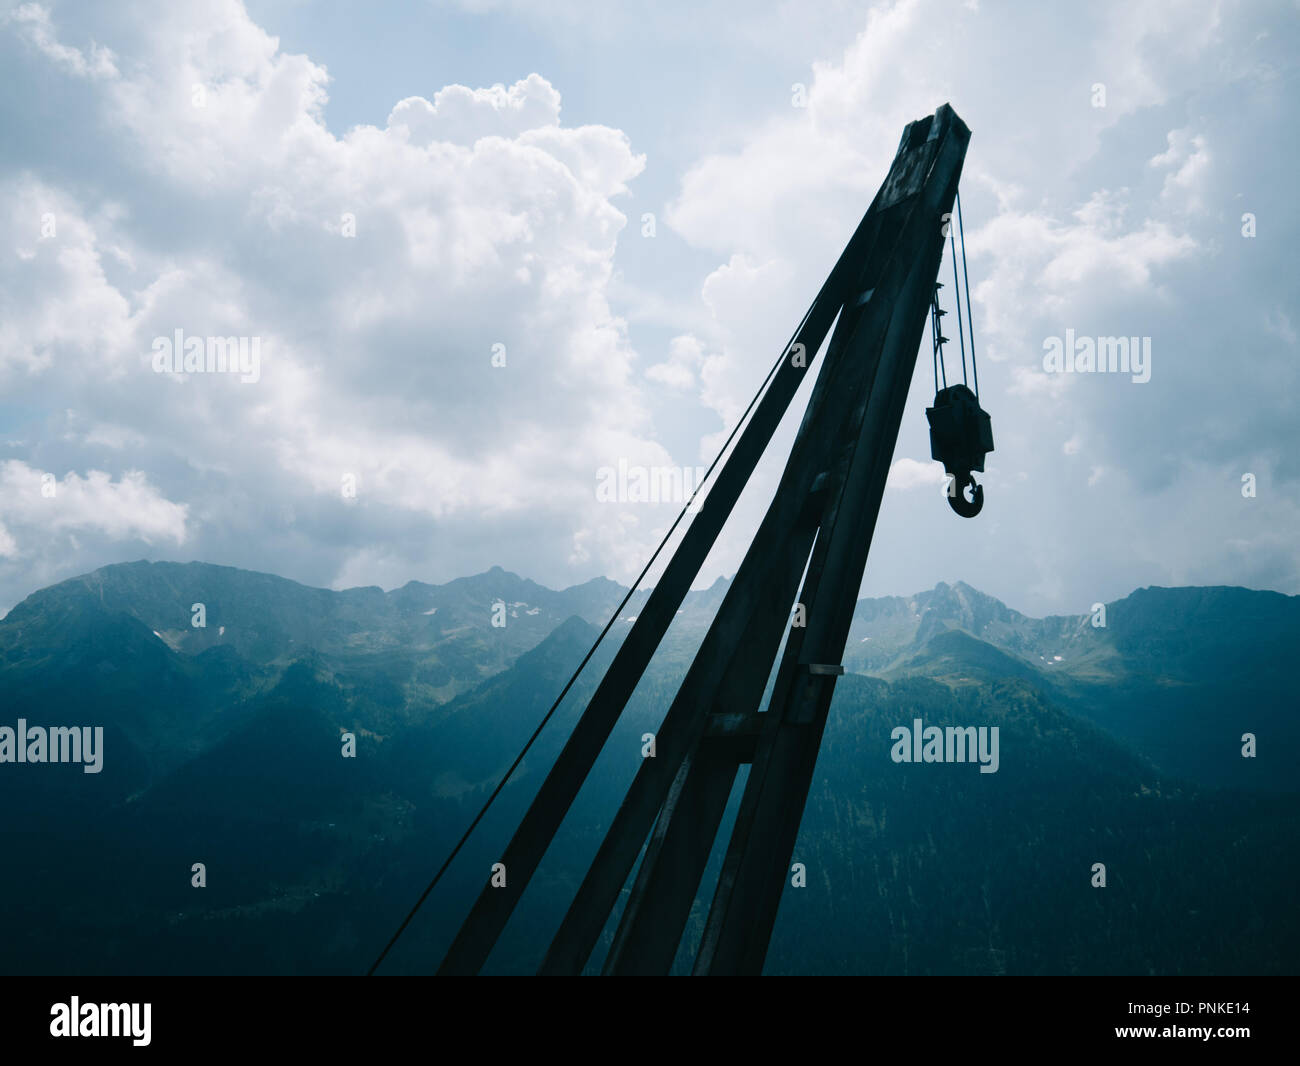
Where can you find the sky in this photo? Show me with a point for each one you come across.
(485, 252)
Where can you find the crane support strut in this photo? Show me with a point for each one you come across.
(810, 549)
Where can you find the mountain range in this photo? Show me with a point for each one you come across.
(1121, 744)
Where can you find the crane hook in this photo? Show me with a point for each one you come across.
(957, 495)
(961, 434)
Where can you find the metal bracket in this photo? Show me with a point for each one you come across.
(824, 669)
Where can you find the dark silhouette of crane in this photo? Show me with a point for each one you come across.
(805, 563)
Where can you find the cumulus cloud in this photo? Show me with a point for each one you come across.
(440, 305)
(1114, 220)
(678, 371)
(428, 300)
(460, 115)
(127, 508)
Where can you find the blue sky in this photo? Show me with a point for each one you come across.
(192, 166)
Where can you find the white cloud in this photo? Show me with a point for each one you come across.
(1188, 160)
(685, 355)
(907, 474)
(481, 220)
(460, 115)
(39, 504)
(33, 23)
(1071, 224)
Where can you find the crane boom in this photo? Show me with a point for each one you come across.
(811, 549)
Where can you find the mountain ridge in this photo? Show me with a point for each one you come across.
(1119, 744)
(1179, 673)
